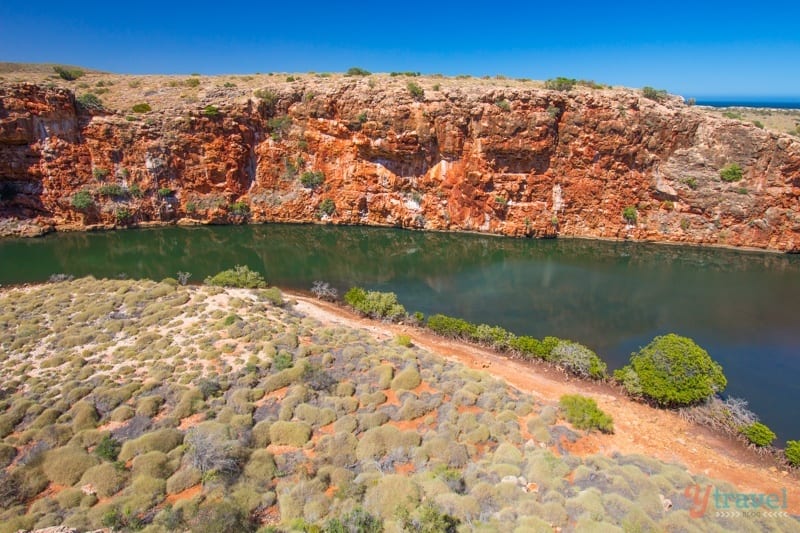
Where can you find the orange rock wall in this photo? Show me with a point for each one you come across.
(550, 164)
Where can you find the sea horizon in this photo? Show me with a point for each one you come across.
(772, 102)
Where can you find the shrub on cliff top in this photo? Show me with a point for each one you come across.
(672, 371)
(654, 94)
(356, 71)
(451, 327)
(89, 101)
(69, 74)
(578, 359)
(560, 83)
(238, 276)
(416, 91)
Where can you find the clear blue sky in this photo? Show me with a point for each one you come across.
(690, 48)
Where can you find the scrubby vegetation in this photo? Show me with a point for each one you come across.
(152, 405)
(731, 172)
(375, 304)
(583, 413)
(238, 276)
(672, 371)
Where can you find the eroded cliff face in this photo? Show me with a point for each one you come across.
(511, 161)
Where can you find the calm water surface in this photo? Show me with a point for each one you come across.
(743, 307)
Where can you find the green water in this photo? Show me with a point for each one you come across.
(743, 307)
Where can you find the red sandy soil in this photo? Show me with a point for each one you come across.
(186, 494)
(639, 429)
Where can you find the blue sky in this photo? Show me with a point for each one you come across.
(694, 49)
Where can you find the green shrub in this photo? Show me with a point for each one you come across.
(654, 94)
(69, 74)
(163, 192)
(192, 82)
(407, 379)
(731, 172)
(560, 83)
(629, 214)
(152, 464)
(108, 448)
(82, 200)
(451, 327)
(356, 71)
(392, 490)
(375, 304)
(239, 276)
(143, 107)
(7, 454)
(289, 433)
(112, 190)
(326, 207)
(356, 521)
(210, 111)
(417, 93)
(578, 359)
(792, 452)
(503, 104)
(672, 371)
(162, 440)
(106, 479)
(240, 208)
(65, 466)
(403, 340)
(312, 179)
(90, 101)
(758, 434)
(583, 413)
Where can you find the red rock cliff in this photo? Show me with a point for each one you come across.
(510, 161)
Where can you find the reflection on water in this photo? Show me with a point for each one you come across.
(743, 307)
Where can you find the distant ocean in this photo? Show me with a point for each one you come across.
(744, 102)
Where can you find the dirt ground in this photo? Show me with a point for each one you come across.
(639, 429)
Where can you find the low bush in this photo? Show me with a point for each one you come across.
(451, 327)
(731, 172)
(108, 448)
(560, 83)
(672, 371)
(105, 479)
(578, 360)
(654, 94)
(326, 207)
(417, 93)
(312, 179)
(82, 200)
(289, 433)
(758, 434)
(629, 214)
(90, 101)
(358, 520)
(210, 111)
(162, 440)
(356, 71)
(375, 304)
(239, 276)
(143, 107)
(792, 452)
(407, 379)
(65, 466)
(68, 74)
(583, 413)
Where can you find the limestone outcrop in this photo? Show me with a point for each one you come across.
(468, 156)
